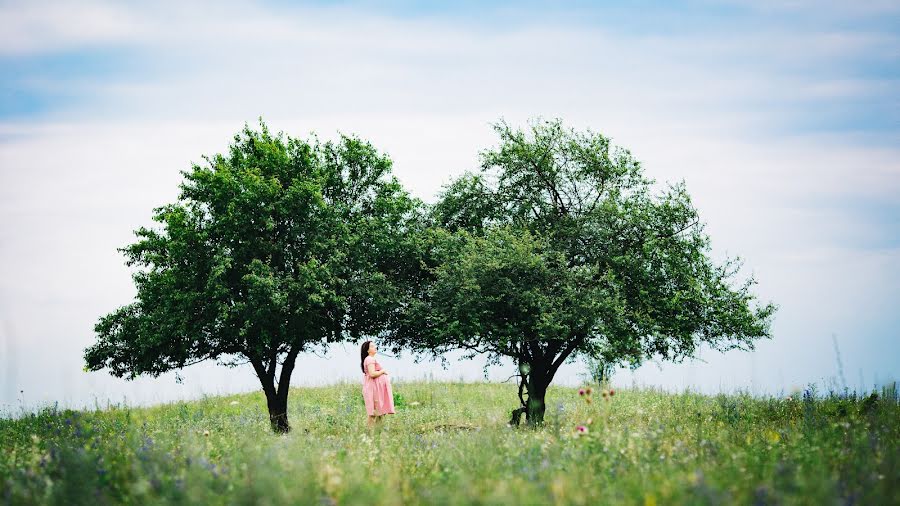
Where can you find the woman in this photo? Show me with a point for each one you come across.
(376, 386)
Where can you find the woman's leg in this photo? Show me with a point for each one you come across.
(373, 419)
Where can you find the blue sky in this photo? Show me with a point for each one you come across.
(782, 117)
(41, 81)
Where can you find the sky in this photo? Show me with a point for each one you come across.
(782, 118)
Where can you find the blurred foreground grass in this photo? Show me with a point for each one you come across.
(449, 444)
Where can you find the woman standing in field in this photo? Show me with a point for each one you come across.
(376, 386)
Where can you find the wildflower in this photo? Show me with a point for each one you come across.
(603, 393)
(206, 433)
(233, 403)
(587, 399)
(612, 392)
(581, 429)
(588, 391)
(581, 391)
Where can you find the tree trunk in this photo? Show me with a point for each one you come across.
(276, 397)
(278, 413)
(537, 367)
(534, 381)
(537, 391)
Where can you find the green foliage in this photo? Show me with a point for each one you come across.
(560, 247)
(500, 288)
(451, 445)
(278, 246)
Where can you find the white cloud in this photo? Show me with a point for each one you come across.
(37, 27)
(73, 185)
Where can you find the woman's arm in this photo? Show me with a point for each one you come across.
(373, 373)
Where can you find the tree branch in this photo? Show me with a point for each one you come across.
(197, 361)
(682, 229)
(565, 354)
(273, 362)
(521, 389)
(265, 378)
(551, 187)
(284, 379)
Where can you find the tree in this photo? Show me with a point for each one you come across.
(277, 247)
(560, 247)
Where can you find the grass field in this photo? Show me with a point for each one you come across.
(449, 444)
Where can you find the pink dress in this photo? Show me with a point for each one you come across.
(377, 391)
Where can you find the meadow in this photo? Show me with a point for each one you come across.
(450, 444)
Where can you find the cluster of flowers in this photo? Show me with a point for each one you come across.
(586, 394)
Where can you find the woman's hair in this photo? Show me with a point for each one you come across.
(363, 353)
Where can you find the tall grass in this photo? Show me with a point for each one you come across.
(449, 444)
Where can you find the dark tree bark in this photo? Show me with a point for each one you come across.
(541, 364)
(277, 395)
(537, 392)
(534, 384)
(516, 418)
(278, 413)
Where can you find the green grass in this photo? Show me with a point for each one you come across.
(449, 444)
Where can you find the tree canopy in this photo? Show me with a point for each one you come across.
(560, 246)
(276, 247)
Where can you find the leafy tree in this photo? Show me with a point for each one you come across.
(277, 247)
(558, 247)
